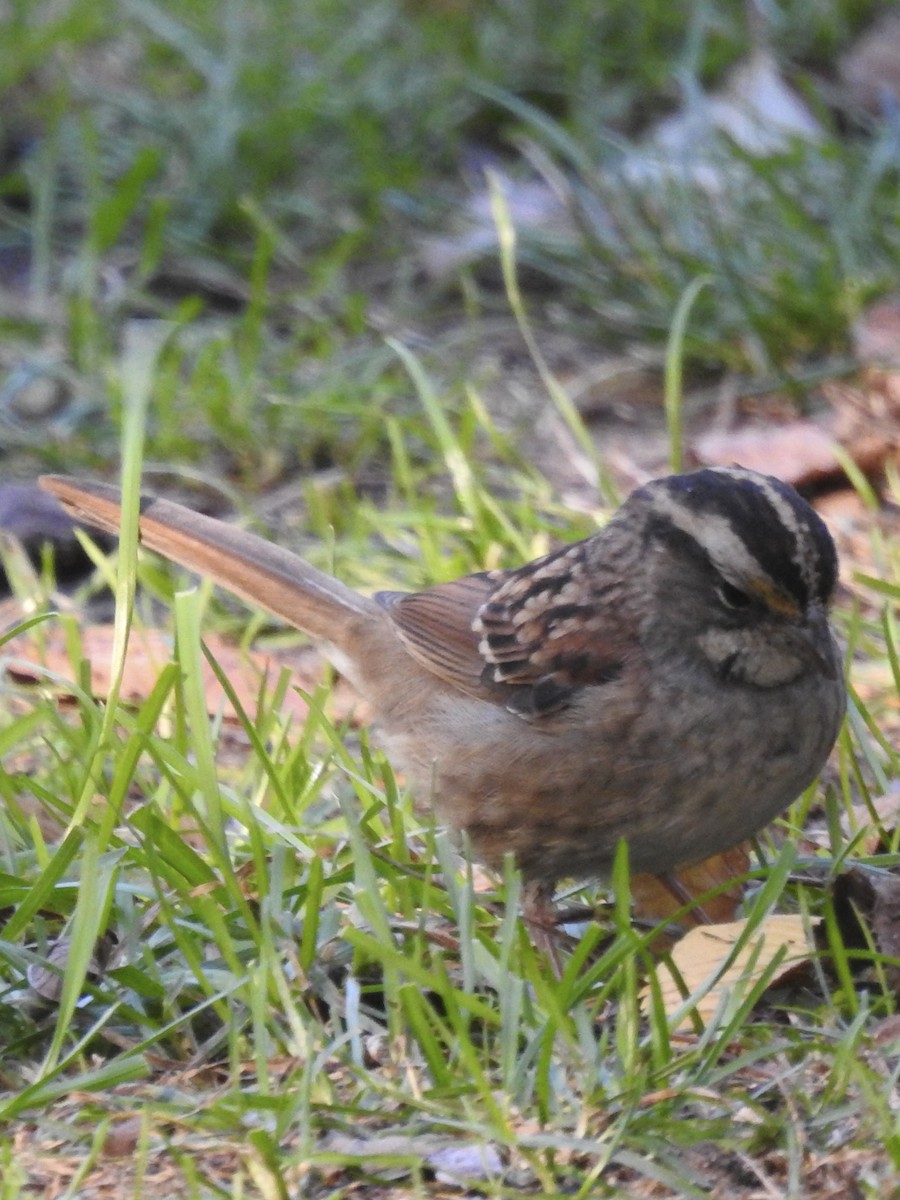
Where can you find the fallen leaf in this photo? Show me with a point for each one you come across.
(866, 417)
(46, 979)
(887, 1031)
(654, 901)
(876, 334)
(864, 540)
(122, 1138)
(799, 452)
(853, 898)
(867, 910)
(886, 916)
(706, 959)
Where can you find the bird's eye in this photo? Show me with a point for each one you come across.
(733, 597)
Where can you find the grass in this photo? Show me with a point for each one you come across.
(300, 966)
(235, 961)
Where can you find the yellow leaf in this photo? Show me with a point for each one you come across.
(712, 968)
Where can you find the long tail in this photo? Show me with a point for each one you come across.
(253, 568)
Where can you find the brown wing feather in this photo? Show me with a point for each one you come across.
(528, 639)
(436, 627)
(556, 624)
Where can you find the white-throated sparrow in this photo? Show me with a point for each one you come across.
(671, 680)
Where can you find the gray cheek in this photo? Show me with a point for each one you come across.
(736, 655)
(773, 669)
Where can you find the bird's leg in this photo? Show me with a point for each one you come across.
(676, 888)
(540, 917)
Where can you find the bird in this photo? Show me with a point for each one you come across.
(672, 679)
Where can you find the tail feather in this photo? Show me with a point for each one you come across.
(255, 569)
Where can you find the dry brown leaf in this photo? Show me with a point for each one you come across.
(867, 908)
(46, 979)
(863, 420)
(887, 1031)
(702, 953)
(886, 917)
(653, 901)
(847, 515)
(799, 452)
(876, 334)
(866, 417)
(122, 1138)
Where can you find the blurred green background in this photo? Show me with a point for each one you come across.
(279, 180)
